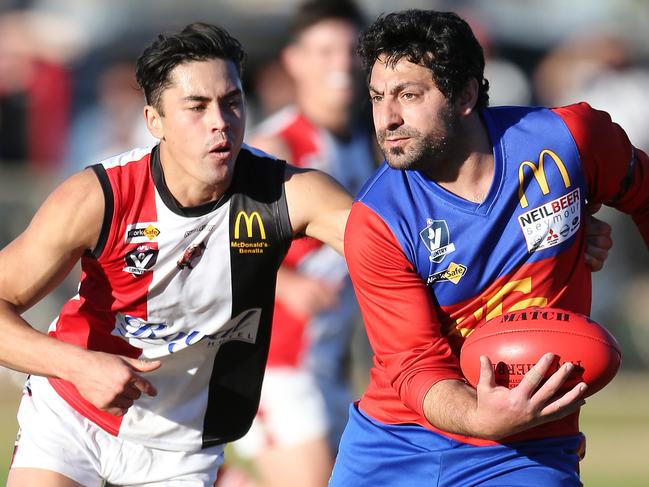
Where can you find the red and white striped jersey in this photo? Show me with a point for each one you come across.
(323, 340)
(191, 287)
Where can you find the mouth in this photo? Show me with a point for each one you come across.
(222, 149)
(396, 141)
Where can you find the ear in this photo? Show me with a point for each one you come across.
(154, 122)
(468, 97)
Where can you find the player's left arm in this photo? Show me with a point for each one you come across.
(318, 205)
(617, 173)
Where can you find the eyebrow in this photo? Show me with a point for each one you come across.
(206, 99)
(396, 88)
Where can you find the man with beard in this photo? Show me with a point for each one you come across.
(449, 233)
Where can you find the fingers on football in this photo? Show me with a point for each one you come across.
(533, 378)
(487, 376)
(567, 404)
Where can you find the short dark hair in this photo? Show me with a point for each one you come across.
(440, 41)
(312, 12)
(196, 42)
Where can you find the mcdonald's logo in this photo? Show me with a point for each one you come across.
(249, 219)
(539, 174)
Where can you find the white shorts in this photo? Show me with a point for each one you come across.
(53, 436)
(291, 411)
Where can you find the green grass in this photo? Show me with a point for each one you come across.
(616, 423)
(10, 395)
(615, 420)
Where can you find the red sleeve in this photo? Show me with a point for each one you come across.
(617, 173)
(398, 310)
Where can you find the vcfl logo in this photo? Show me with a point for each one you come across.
(436, 238)
(140, 260)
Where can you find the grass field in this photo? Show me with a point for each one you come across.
(616, 422)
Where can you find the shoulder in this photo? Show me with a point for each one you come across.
(370, 245)
(258, 175)
(74, 211)
(593, 130)
(378, 183)
(584, 121)
(80, 188)
(258, 158)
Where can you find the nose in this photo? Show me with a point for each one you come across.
(218, 119)
(388, 116)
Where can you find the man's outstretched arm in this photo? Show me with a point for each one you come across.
(318, 206)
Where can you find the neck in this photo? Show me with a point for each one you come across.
(187, 190)
(467, 169)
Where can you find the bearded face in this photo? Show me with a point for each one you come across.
(416, 125)
(420, 146)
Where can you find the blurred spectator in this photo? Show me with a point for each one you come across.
(574, 63)
(273, 89)
(508, 83)
(34, 94)
(114, 122)
(600, 69)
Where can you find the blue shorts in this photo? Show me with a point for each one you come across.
(375, 454)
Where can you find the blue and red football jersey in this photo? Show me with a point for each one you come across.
(429, 266)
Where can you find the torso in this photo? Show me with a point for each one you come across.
(191, 287)
(518, 248)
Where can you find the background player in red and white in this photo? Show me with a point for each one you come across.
(306, 391)
(476, 212)
(158, 361)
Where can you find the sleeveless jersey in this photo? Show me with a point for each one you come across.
(429, 266)
(191, 287)
(320, 343)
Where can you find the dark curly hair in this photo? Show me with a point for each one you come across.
(440, 41)
(196, 42)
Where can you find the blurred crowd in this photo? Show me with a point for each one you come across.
(68, 98)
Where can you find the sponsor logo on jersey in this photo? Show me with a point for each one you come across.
(140, 260)
(191, 255)
(538, 173)
(436, 238)
(157, 339)
(454, 272)
(552, 223)
(202, 228)
(255, 233)
(141, 232)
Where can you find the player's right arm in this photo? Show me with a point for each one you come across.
(409, 346)
(65, 226)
